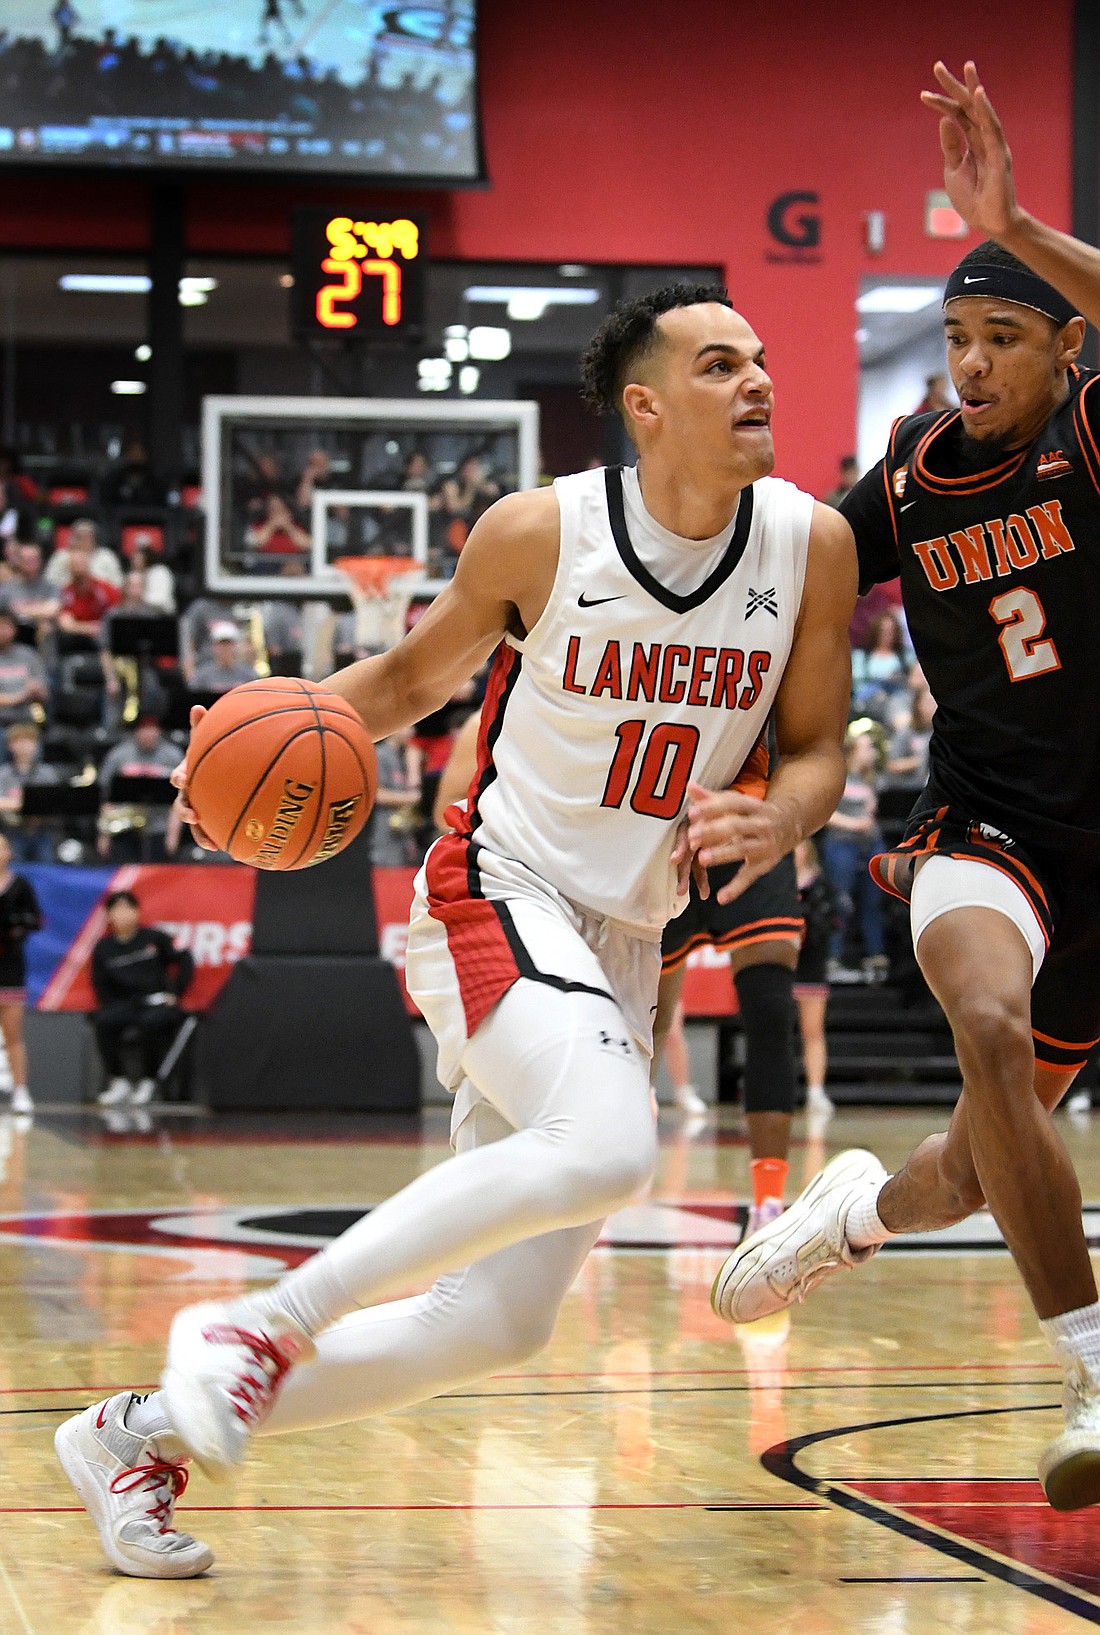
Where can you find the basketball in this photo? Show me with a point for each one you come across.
(281, 773)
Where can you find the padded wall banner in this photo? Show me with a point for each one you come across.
(208, 909)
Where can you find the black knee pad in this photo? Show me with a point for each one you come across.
(766, 1001)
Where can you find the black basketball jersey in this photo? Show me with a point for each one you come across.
(1000, 575)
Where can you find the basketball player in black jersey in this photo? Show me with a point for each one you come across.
(991, 514)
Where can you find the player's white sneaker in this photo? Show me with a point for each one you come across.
(785, 1260)
(818, 1104)
(221, 1377)
(118, 1091)
(21, 1101)
(130, 1490)
(143, 1093)
(1069, 1468)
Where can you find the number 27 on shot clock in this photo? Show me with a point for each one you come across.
(362, 279)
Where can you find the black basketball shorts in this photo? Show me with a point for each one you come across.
(1064, 893)
(768, 911)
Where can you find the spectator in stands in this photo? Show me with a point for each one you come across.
(123, 674)
(29, 596)
(9, 511)
(281, 624)
(417, 476)
(936, 396)
(847, 479)
(907, 754)
(131, 481)
(83, 544)
(159, 588)
(277, 533)
(851, 839)
(317, 473)
(196, 624)
(225, 667)
(463, 498)
(31, 839)
(880, 667)
(19, 916)
(139, 977)
(134, 832)
(396, 815)
(22, 675)
(85, 598)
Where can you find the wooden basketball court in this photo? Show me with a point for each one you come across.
(652, 1473)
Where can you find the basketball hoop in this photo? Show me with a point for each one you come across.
(381, 588)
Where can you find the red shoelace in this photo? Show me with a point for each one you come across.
(253, 1394)
(156, 1474)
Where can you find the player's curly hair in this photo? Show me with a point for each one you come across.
(628, 334)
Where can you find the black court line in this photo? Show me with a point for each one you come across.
(782, 1462)
(920, 1578)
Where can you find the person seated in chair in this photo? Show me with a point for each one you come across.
(139, 977)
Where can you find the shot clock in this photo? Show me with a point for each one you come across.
(357, 278)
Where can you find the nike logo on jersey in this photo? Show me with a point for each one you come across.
(1000, 546)
(908, 506)
(761, 600)
(982, 280)
(596, 601)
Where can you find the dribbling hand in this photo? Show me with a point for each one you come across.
(178, 780)
(977, 164)
(728, 827)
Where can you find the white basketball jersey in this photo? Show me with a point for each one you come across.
(626, 689)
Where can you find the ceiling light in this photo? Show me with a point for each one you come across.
(286, 281)
(528, 302)
(457, 348)
(128, 388)
(572, 269)
(433, 374)
(489, 343)
(143, 352)
(899, 298)
(469, 378)
(106, 283)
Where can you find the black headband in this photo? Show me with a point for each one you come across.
(1016, 284)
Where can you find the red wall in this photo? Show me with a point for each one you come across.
(652, 132)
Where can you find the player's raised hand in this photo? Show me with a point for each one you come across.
(182, 807)
(728, 827)
(977, 164)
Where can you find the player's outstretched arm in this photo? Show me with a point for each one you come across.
(977, 173)
(503, 582)
(811, 713)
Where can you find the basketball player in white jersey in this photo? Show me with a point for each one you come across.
(635, 673)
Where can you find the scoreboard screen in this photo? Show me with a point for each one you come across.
(356, 278)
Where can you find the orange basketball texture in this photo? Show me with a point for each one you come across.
(281, 773)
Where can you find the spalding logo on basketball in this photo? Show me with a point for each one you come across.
(281, 773)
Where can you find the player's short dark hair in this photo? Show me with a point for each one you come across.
(628, 334)
(991, 254)
(114, 897)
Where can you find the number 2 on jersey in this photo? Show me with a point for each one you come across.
(1022, 619)
(662, 780)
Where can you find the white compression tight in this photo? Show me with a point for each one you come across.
(568, 1137)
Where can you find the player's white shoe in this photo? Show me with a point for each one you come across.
(782, 1262)
(1069, 1468)
(688, 1100)
(143, 1093)
(221, 1377)
(130, 1490)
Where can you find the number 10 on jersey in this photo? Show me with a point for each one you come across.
(663, 768)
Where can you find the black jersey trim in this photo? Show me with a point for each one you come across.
(735, 549)
(973, 484)
(1085, 438)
